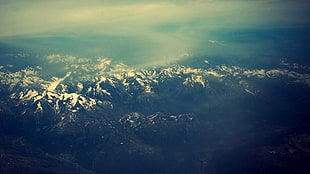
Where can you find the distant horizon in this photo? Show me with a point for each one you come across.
(146, 32)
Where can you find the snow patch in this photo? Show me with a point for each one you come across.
(214, 73)
(54, 84)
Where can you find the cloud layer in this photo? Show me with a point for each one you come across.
(169, 29)
(21, 17)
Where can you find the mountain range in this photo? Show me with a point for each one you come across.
(104, 116)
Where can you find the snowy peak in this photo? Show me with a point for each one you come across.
(72, 102)
(88, 84)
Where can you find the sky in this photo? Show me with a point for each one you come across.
(161, 29)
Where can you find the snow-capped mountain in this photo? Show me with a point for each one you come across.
(100, 84)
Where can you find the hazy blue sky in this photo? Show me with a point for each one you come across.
(171, 28)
